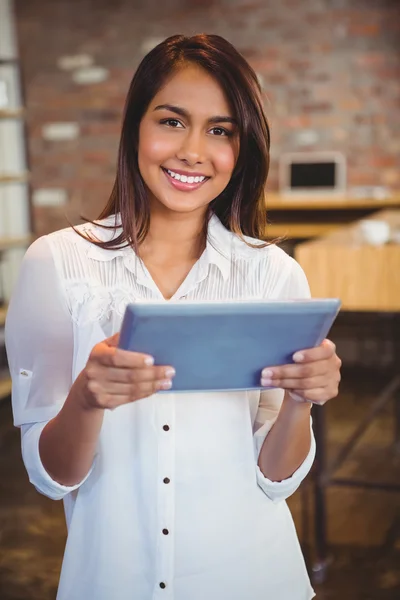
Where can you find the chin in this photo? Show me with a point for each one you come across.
(185, 208)
(184, 204)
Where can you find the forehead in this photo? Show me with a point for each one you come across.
(192, 88)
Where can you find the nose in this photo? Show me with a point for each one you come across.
(192, 148)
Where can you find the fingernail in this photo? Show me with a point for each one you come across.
(149, 361)
(266, 382)
(266, 373)
(170, 372)
(166, 384)
(298, 357)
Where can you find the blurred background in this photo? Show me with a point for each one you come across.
(330, 74)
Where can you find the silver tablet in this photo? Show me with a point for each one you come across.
(225, 346)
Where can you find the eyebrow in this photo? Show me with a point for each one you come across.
(184, 113)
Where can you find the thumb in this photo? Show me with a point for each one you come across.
(329, 345)
(113, 340)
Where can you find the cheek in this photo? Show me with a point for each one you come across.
(225, 161)
(153, 147)
(150, 151)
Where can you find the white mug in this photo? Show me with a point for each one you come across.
(375, 232)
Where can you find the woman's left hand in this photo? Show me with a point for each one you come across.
(314, 377)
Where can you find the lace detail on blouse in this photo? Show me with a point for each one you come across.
(98, 283)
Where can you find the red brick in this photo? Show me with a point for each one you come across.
(317, 107)
(364, 30)
(313, 80)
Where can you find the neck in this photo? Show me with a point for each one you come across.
(174, 236)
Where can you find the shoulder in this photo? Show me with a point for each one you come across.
(248, 249)
(271, 261)
(80, 238)
(277, 273)
(100, 230)
(259, 252)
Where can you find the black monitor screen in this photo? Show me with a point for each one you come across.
(312, 175)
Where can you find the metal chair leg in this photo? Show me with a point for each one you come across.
(319, 567)
(396, 400)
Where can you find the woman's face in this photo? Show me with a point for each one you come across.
(188, 142)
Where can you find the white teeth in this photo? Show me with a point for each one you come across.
(185, 178)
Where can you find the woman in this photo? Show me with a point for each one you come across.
(168, 496)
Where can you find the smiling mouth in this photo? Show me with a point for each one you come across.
(185, 182)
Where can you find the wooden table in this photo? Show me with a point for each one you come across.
(341, 264)
(308, 217)
(5, 387)
(366, 278)
(3, 314)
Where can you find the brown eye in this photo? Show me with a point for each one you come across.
(174, 123)
(221, 132)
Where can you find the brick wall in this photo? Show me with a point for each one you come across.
(330, 71)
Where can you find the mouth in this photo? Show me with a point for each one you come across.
(184, 183)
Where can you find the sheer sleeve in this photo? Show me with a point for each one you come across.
(39, 339)
(39, 342)
(295, 286)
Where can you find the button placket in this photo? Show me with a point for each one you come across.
(165, 490)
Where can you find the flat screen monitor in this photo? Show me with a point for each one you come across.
(312, 173)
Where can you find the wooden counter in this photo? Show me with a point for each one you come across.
(276, 201)
(309, 217)
(341, 264)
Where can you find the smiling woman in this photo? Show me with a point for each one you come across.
(169, 495)
(194, 107)
(180, 139)
(212, 126)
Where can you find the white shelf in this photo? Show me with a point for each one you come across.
(16, 113)
(14, 177)
(7, 243)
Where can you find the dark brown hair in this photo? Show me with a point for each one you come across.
(241, 205)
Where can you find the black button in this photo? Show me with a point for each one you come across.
(162, 585)
(166, 480)
(166, 427)
(165, 531)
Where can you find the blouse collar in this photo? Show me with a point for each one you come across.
(218, 247)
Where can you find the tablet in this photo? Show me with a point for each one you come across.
(225, 345)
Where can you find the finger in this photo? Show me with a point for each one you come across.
(115, 357)
(317, 395)
(110, 393)
(298, 398)
(301, 384)
(111, 402)
(325, 350)
(125, 375)
(295, 371)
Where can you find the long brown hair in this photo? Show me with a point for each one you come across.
(241, 205)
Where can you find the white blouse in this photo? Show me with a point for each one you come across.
(174, 506)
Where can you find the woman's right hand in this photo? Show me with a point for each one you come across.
(113, 377)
